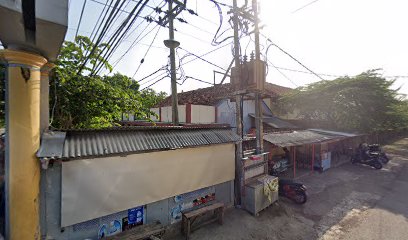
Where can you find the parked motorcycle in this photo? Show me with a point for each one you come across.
(292, 190)
(370, 160)
(287, 188)
(376, 151)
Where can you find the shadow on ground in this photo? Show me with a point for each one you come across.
(347, 202)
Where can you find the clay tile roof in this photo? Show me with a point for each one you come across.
(211, 95)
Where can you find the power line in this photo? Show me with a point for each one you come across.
(199, 80)
(300, 71)
(277, 69)
(151, 74)
(151, 80)
(121, 10)
(202, 55)
(222, 4)
(336, 76)
(105, 27)
(154, 83)
(205, 60)
(144, 44)
(137, 40)
(310, 3)
(120, 33)
(120, 14)
(293, 58)
(112, 40)
(97, 21)
(148, 49)
(80, 18)
(192, 36)
(196, 27)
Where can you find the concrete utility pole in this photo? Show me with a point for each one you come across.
(172, 44)
(239, 178)
(258, 97)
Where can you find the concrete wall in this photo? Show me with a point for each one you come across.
(157, 111)
(128, 117)
(226, 113)
(166, 114)
(202, 114)
(161, 210)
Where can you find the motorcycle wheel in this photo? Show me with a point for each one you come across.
(377, 165)
(384, 159)
(300, 198)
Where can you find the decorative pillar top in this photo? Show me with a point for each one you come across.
(45, 70)
(24, 58)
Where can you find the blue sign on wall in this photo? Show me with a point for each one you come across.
(135, 215)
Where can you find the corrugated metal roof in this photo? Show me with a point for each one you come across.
(333, 132)
(297, 138)
(55, 144)
(85, 144)
(275, 122)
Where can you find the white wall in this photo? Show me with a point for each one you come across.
(166, 114)
(202, 114)
(92, 188)
(128, 117)
(157, 111)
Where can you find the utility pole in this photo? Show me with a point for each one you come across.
(258, 97)
(172, 44)
(239, 178)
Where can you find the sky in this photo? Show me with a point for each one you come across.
(331, 37)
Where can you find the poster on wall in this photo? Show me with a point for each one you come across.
(134, 218)
(190, 200)
(114, 227)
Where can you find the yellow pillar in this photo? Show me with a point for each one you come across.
(44, 97)
(23, 126)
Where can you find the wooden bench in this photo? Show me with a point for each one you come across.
(190, 217)
(152, 231)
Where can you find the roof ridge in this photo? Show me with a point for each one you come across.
(210, 95)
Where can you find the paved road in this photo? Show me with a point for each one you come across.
(358, 202)
(348, 202)
(388, 219)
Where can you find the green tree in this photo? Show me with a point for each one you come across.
(363, 103)
(151, 98)
(80, 99)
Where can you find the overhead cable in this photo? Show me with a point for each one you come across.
(122, 31)
(148, 49)
(80, 18)
(205, 60)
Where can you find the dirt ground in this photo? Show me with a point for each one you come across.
(347, 202)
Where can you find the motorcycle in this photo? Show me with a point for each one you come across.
(370, 160)
(376, 151)
(292, 190)
(287, 188)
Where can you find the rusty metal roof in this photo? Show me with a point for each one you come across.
(98, 143)
(275, 122)
(297, 138)
(212, 95)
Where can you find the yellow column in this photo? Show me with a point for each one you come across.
(23, 126)
(44, 97)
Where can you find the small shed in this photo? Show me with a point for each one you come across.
(134, 175)
(309, 149)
